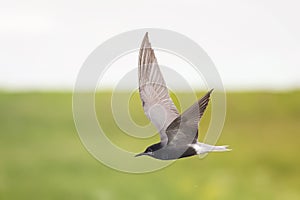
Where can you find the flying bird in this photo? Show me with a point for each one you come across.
(178, 133)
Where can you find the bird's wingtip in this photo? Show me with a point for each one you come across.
(146, 42)
(146, 37)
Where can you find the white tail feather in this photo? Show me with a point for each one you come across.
(201, 148)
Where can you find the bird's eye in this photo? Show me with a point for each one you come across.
(150, 150)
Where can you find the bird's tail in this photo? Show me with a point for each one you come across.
(220, 148)
(202, 148)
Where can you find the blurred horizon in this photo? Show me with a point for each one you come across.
(54, 90)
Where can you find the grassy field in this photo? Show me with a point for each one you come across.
(41, 156)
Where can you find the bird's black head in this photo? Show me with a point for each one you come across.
(150, 150)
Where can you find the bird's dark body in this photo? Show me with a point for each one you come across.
(190, 151)
(170, 152)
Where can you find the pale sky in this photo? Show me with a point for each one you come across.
(254, 44)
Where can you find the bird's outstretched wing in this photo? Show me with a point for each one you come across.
(184, 129)
(157, 104)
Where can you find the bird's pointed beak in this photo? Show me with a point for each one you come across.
(140, 154)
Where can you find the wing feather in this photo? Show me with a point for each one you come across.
(184, 128)
(157, 104)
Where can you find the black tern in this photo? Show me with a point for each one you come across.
(178, 133)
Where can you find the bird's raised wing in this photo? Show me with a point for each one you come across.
(157, 104)
(184, 129)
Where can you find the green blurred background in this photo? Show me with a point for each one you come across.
(41, 156)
